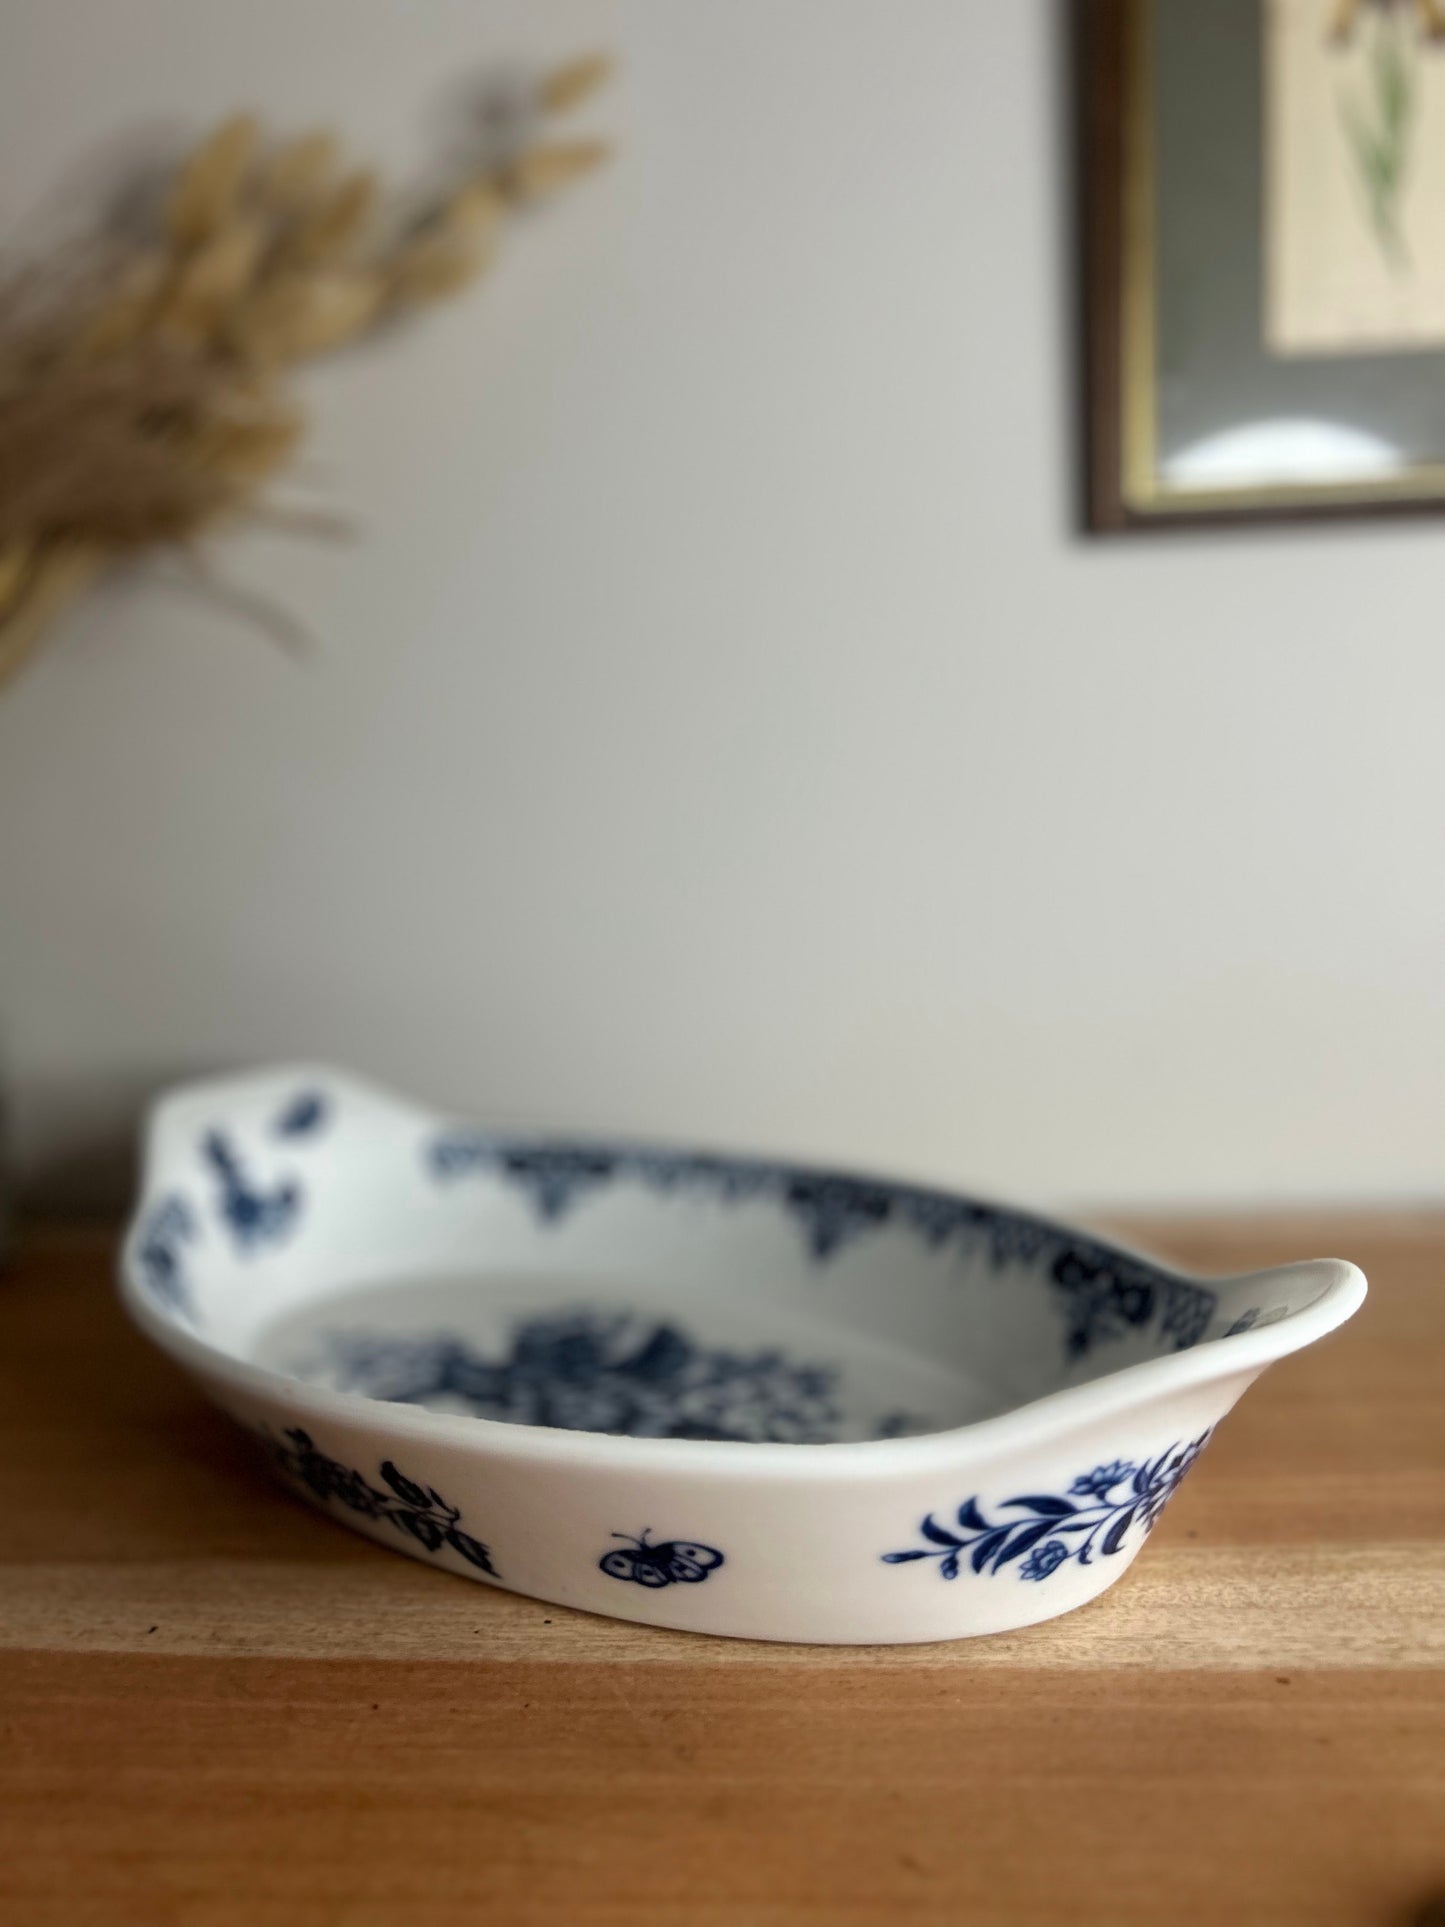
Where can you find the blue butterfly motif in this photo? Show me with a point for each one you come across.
(674, 1562)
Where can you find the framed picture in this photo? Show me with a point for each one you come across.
(1265, 258)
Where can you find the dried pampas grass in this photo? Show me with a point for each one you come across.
(146, 403)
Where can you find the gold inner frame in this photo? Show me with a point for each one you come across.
(1144, 490)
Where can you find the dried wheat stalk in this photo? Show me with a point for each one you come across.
(151, 405)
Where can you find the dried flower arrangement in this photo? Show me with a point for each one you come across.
(146, 401)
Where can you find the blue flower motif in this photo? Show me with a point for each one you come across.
(1044, 1559)
(1099, 1483)
(1051, 1528)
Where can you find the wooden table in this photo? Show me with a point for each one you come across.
(218, 1708)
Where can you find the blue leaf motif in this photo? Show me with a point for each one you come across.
(421, 1526)
(306, 1113)
(940, 1537)
(1024, 1541)
(1044, 1505)
(1114, 1537)
(416, 1511)
(402, 1486)
(1143, 1479)
(470, 1548)
(987, 1546)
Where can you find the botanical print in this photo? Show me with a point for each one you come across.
(628, 1375)
(254, 1216)
(1354, 227)
(1102, 1294)
(417, 1511)
(160, 1255)
(1099, 1512)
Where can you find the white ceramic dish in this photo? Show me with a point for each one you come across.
(695, 1391)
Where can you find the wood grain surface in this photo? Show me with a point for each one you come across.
(219, 1710)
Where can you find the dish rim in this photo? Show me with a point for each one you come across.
(1033, 1422)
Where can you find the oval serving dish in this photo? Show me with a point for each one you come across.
(705, 1392)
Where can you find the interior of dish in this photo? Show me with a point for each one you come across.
(626, 1290)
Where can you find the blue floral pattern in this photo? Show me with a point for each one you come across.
(253, 1216)
(1044, 1559)
(1100, 1511)
(1099, 1483)
(160, 1254)
(591, 1371)
(1102, 1294)
(554, 1176)
(418, 1512)
(1105, 1295)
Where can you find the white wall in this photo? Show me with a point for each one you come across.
(719, 731)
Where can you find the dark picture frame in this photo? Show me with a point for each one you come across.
(1117, 66)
